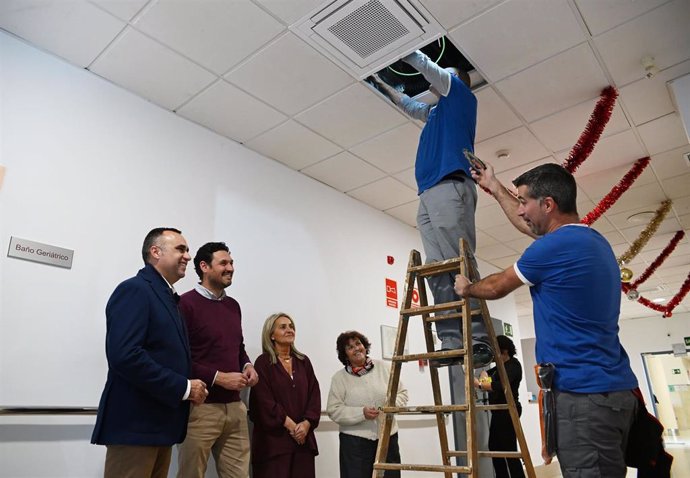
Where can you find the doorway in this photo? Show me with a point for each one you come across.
(668, 377)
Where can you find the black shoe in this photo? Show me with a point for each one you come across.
(446, 361)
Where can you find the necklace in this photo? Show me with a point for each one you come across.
(287, 359)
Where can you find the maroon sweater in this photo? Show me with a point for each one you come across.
(215, 339)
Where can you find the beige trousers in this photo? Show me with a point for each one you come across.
(129, 461)
(220, 428)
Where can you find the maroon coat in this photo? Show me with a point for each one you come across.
(277, 396)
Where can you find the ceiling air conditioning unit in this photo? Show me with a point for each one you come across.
(364, 36)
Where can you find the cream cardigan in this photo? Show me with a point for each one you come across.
(349, 394)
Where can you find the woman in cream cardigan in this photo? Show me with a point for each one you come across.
(357, 390)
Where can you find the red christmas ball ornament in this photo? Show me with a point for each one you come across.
(390, 260)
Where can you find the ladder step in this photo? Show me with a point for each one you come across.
(492, 407)
(435, 268)
(429, 309)
(487, 454)
(442, 468)
(458, 315)
(429, 355)
(425, 409)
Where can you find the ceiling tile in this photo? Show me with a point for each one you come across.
(124, 9)
(520, 244)
(649, 196)
(277, 75)
(151, 70)
(685, 221)
(290, 11)
(407, 177)
(483, 238)
(678, 186)
(450, 13)
(602, 224)
(494, 252)
(682, 206)
(407, 213)
(616, 150)
(599, 184)
(507, 176)
(352, 116)
(344, 172)
(562, 130)
(495, 46)
(489, 216)
(76, 31)
(505, 232)
(647, 99)
(662, 33)
(392, 151)
(558, 83)
(293, 145)
(217, 107)
(671, 163)
(216, 34)
(667, 228)
(494, 116)
(601, 16)
(384, 194)
(523, 146)
(663, 134)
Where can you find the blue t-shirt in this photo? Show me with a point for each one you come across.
(574, 281)
(449, 129)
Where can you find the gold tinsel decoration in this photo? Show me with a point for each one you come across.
(647, 234)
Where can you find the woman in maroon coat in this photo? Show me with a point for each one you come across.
(285, 405)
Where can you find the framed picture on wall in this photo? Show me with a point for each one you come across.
(388, 336)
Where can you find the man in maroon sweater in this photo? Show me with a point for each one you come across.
(214, 324)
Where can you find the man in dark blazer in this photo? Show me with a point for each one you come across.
(145, 404)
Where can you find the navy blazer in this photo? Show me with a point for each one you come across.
(148, 364)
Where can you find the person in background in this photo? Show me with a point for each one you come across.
(501, 430)
(285, 406)
(357, 390)
(145, 403)
(214, 322)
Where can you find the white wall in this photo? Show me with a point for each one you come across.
(93, 168)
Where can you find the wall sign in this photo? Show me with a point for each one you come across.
(507, 329)
(391, 293)
(687, 341)
(39, 252)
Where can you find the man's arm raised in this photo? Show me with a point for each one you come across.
(508, 202)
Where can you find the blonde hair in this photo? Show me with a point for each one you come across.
(266, 342)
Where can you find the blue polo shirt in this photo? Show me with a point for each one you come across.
(449, 129)
(574, 281)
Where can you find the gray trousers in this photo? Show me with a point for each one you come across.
(592, 433)
(446, 214)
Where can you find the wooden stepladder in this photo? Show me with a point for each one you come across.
(416, 273)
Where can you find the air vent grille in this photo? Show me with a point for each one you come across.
(363, 36)
(368, 29)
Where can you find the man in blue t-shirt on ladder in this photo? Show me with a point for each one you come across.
(447, 192)
(574, 282)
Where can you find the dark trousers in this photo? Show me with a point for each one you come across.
(357, 456)
(290, 465)
(502, 438)
(592, 433)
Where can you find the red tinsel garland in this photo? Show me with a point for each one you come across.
(595, 126)
(670, 247)
(617, 191)
(678, 297)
